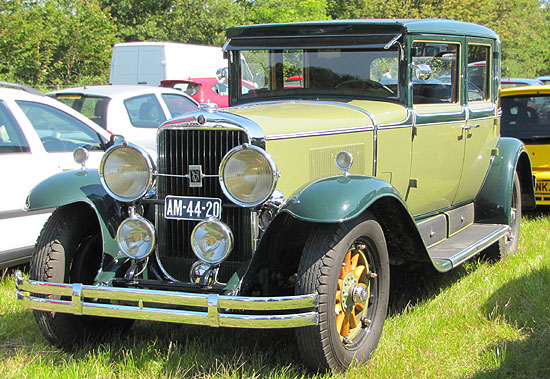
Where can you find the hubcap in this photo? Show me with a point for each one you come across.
(352, 293)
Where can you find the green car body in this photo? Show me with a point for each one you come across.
(408, 109)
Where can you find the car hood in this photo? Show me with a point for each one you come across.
(311, 117)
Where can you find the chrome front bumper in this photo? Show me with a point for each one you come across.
(209, 309)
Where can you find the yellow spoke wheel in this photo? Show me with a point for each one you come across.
(352, 294)
(347, 265)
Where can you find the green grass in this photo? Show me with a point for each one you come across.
(483, 320)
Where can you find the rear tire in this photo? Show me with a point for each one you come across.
(347, 265)
(508, 245)
(69, 250)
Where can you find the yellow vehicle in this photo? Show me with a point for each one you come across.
(526, 115)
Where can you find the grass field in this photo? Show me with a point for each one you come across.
(483, 320)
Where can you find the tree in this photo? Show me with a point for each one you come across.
(520, 24)
(56, 42)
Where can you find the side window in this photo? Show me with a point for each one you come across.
(144, 111)
(12, 139)
(95, 108)
(58, 131)
(478, 72)
(435, 72)
(178, 104)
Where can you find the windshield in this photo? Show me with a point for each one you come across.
(301, 73)
(526, 117)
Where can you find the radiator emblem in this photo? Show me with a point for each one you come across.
(195, 175)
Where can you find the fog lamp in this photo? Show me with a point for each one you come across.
(198, 270)
(136, 237)
(211, 241)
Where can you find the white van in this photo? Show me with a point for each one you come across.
(150, 62)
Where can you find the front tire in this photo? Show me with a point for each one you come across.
(347, 265)
(69, 250)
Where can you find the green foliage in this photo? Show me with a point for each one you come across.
(48, 43)
(269, 11)
(55, 43)
(520, 24)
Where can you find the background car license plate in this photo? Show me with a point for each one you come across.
(192, 208)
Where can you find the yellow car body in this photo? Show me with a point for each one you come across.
(526, 115)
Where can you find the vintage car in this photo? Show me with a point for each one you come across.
(526, 115)
(287, 209)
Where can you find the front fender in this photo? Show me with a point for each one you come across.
(79, 186)
(495, 196)
(338, 198)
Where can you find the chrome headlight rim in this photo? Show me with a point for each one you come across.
(225, 230)
(272, 165)
(148, 226)
(150, 164)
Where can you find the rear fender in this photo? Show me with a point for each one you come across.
(492, 201)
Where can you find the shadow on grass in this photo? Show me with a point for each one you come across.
(524, 303)
(414, 284)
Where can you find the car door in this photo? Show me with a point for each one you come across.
(439, 121)
(23, 163)
(481, 131)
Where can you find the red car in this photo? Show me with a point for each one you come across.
(204, 90)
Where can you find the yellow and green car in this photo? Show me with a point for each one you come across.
(348, 147)
(526, 115)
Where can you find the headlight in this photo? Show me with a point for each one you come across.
(248, 175)
(126, 172)
(211, 241)
(136, 237)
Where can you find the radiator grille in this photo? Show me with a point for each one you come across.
(179, 148)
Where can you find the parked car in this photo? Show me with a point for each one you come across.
(132, 111)
(287, 209)
(515, 82)
(204, 90)
(544, 79)
(37, 138)
(526, 115)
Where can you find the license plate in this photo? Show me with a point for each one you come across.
(543, 186)
(192, 208)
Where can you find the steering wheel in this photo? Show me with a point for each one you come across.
(363, 84)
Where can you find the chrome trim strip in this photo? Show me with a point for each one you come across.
(472, 250)
(446, 264)
(316, 133)
(219, 307)
(14, 213)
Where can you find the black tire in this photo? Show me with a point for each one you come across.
(69, 250)
(509, 244)
(329, 252)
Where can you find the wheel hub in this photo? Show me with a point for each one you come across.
(348, 287)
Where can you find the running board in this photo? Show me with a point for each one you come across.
(457, 249)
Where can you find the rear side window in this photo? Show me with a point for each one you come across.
(93, 107)
(12, 139)
(478, 72)
(59, 131)
(144, 111)
(178, 105)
